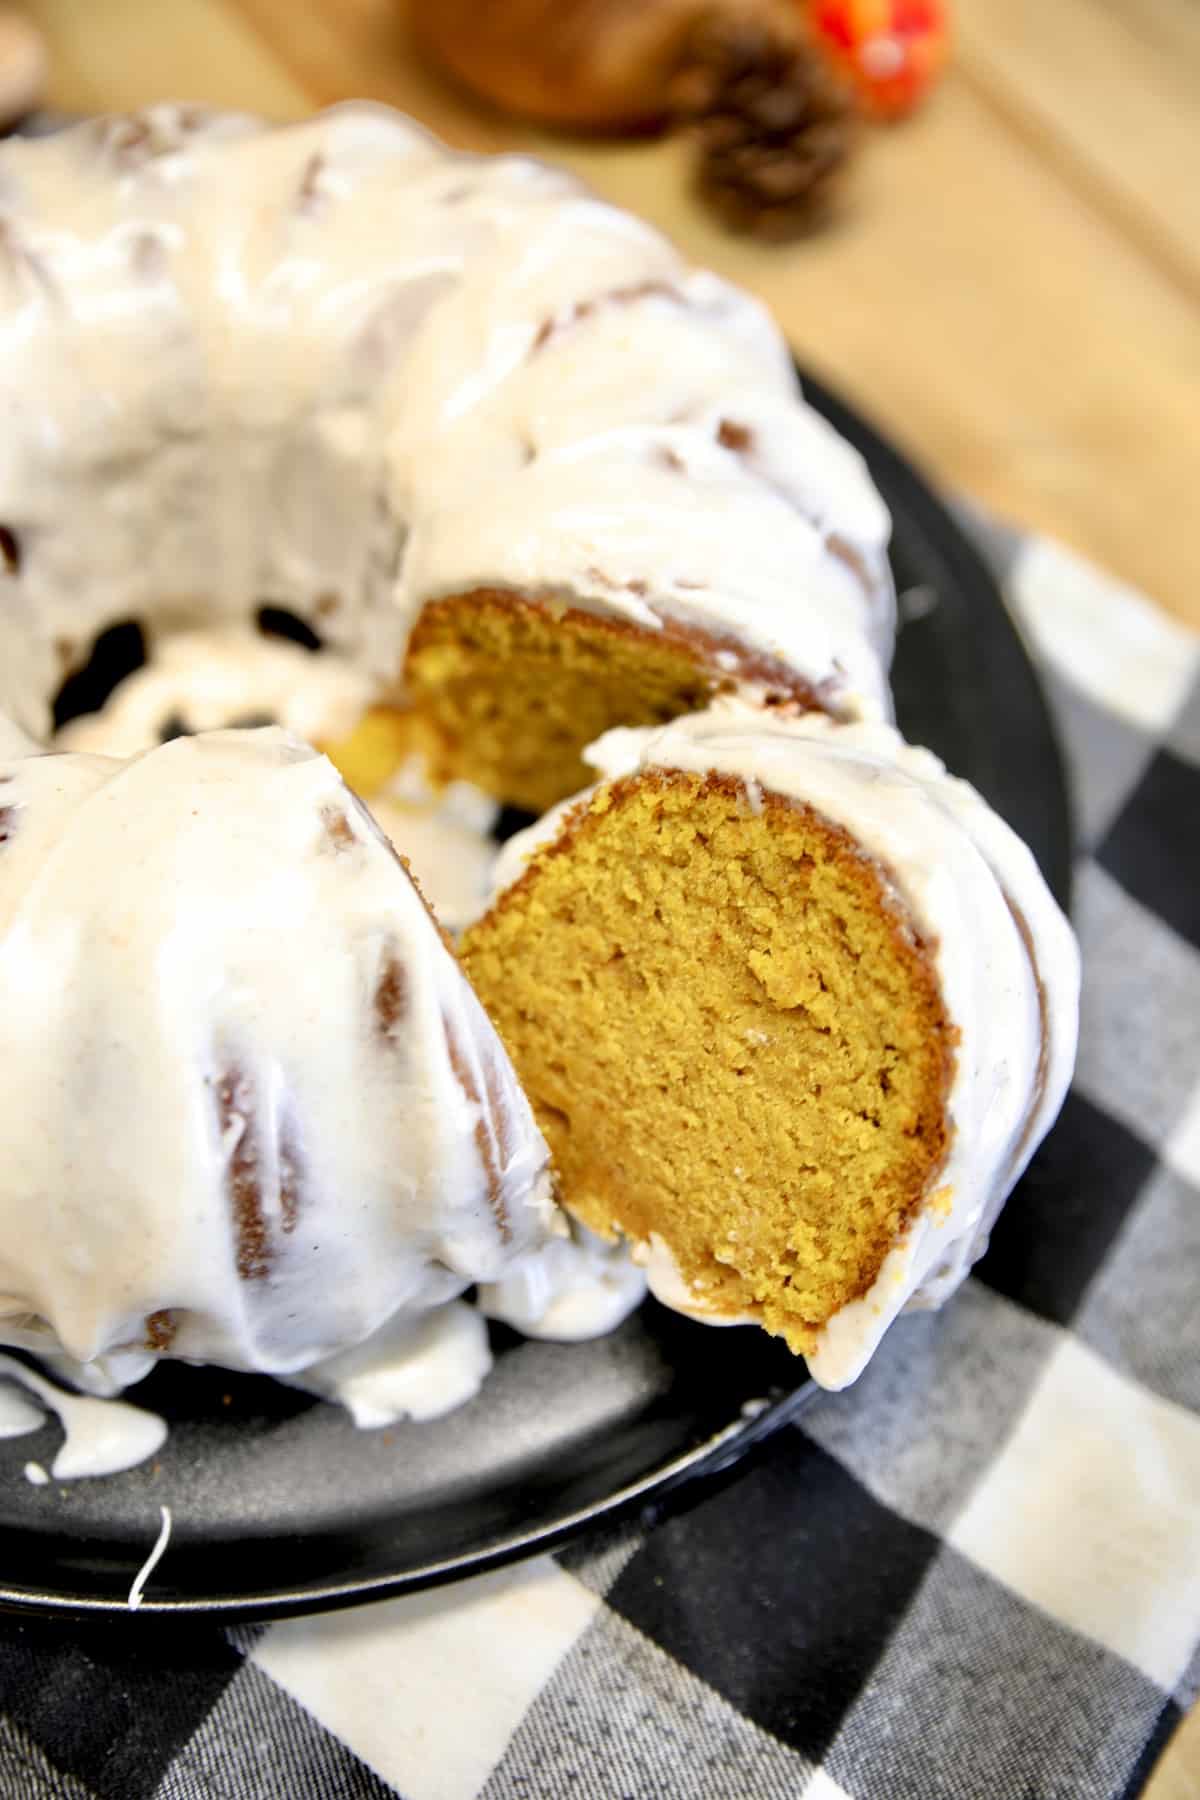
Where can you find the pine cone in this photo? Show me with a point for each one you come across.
(772, 126)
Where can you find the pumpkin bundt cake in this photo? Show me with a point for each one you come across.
(793, 1008)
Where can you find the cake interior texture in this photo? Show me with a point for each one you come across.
(384, 740)
(732, 1036)
(516, 688)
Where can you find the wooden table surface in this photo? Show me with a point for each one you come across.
(1011, 288)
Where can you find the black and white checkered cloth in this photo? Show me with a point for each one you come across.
(976, 1575)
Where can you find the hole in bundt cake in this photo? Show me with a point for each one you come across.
(10, 550)
(509, 821)
(176, 726)
(730, 1037)
(277, 621)
(115, 654)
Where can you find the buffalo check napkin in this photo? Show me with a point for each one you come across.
(976, 1575)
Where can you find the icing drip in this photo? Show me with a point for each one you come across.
(101, 1436)
(413, 1369)
(18, 1415)
(206, 680)
(151, 1563)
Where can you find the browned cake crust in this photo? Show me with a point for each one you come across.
(515, 686)
(732, 1035)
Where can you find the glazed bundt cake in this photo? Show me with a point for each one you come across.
(492, 442)
(793, 1007)
(252, 1112)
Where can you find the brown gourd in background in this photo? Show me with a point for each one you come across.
(771, 125)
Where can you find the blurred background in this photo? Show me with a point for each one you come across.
(1006, 278)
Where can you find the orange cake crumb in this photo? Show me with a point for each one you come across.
(516, 688)
(731, 1037)
(384, 739)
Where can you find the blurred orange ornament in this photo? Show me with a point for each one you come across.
(891, 51)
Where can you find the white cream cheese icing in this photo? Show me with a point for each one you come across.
(209, 680)
(100, 1437)
(416, 1367)
(18, 1416)
(965, 879)
(577, 1286)
(252, 1110)
(157, 1551)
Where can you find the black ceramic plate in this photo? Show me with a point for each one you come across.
(280, 1505)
